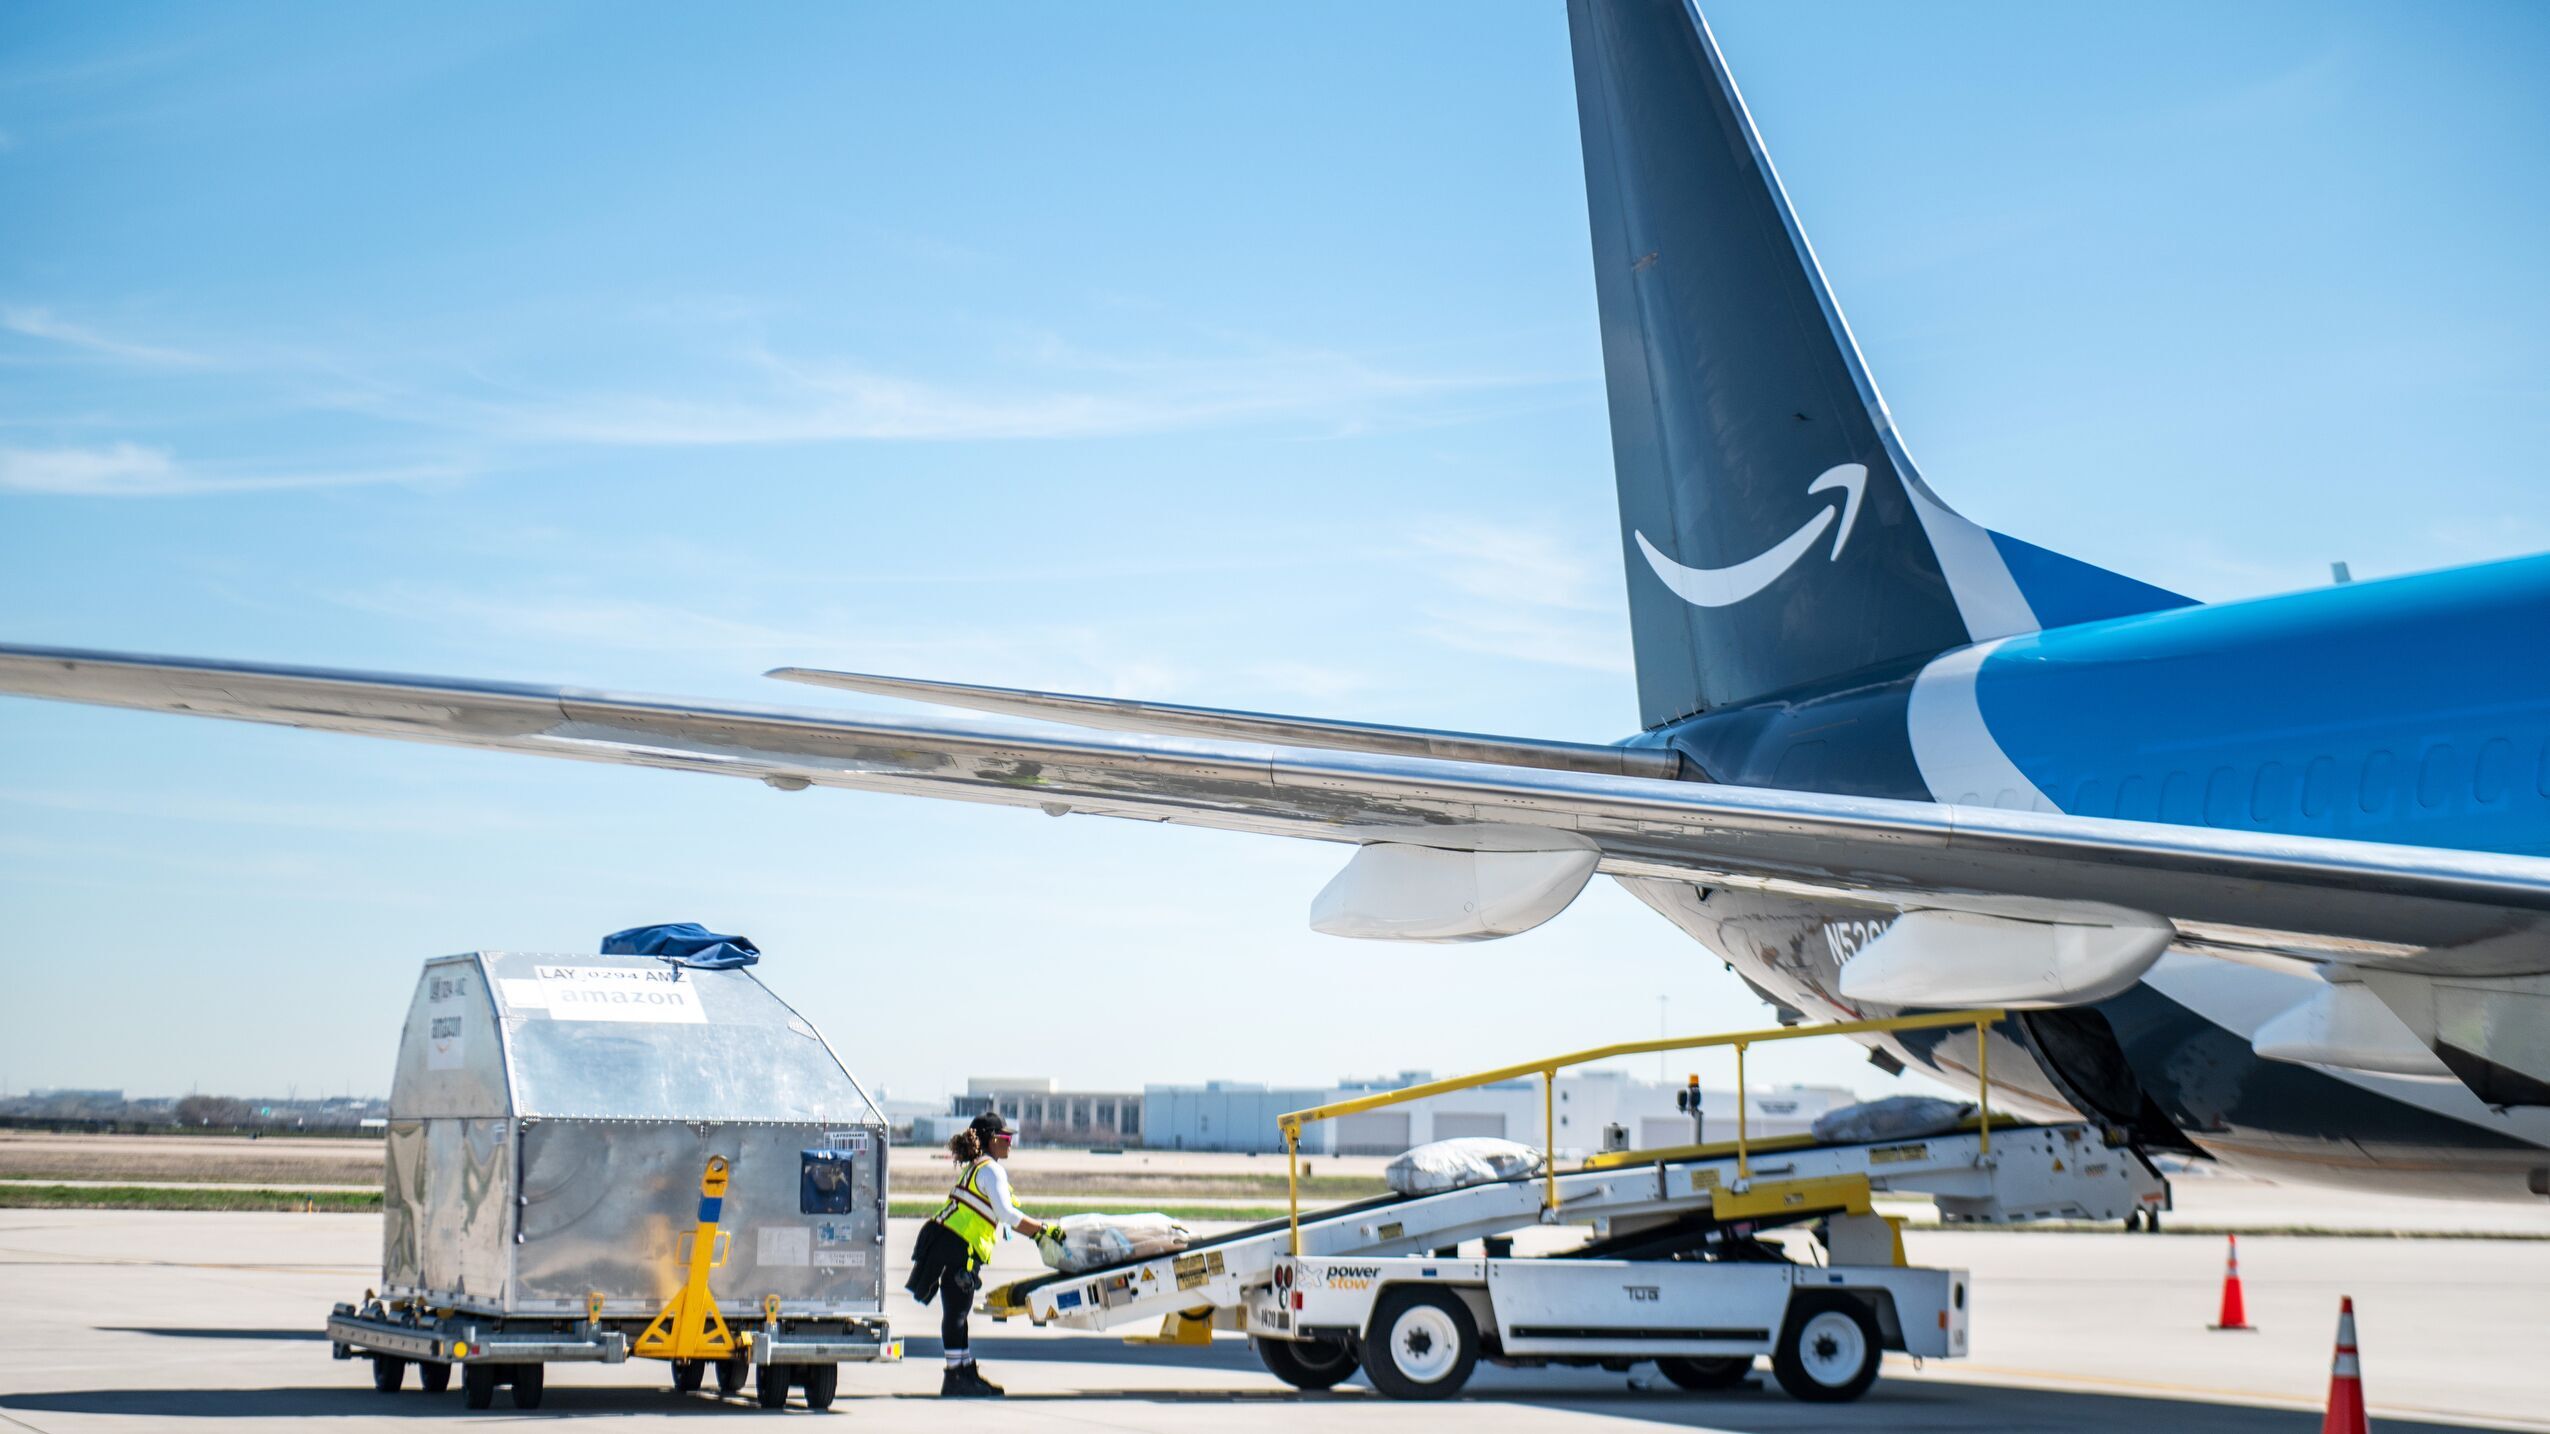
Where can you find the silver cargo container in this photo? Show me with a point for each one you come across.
(550, 1119)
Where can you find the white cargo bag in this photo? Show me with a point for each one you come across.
(1897, 1117)
(1090, 1241)
(1451, 1164)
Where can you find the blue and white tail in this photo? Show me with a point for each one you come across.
(1778, 539)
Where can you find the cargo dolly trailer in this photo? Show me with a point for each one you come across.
(594, 1158)
(1675, 1269)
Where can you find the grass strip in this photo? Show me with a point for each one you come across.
(364, 1202)
(250, 1197)
(1061, 1184)
(1236, 1214)
(2311, 1232)
(153, 1197)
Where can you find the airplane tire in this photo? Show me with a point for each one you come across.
(1306, 1363)
(1829, 1349)
(1422, 1343)
(1702, 1372)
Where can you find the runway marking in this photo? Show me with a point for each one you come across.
(59, 1263)
(2060, 1381)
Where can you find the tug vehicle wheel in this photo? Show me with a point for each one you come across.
(1307, 1363)
(530, 1381)
(1422, 1343)
(730, 1375)
(388, 1373)
(821, 1382)
(1706, 1372)
(433, 1376)
(478, 1385)
(1829, 1350)
(770, 1386)
(687, 1374)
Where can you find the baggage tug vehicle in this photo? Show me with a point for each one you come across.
(1676, 1268)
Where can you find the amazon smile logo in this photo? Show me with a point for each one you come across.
(1724, 587)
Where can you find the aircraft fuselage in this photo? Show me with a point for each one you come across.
(2414, 710)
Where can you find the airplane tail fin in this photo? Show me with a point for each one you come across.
(1777, 536)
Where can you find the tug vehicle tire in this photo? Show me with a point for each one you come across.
(1828, 1350)
(1422, 1343)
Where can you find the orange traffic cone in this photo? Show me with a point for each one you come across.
(2346, 1380)
(2235, 1311)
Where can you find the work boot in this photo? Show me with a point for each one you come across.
(967, 1382)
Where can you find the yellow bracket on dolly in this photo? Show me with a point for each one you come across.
(690, 1326)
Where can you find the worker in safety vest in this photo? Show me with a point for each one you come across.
(958, 1240)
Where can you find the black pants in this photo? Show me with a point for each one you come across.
(956, 1300)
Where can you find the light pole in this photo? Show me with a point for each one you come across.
(1662, 1004)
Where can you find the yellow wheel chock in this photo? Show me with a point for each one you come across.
(1180, 1327)
(689, 1327)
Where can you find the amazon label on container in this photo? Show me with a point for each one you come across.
(608, 993)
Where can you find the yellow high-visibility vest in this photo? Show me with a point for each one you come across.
(969, 1214)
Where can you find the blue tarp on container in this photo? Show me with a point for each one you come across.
(684, 943)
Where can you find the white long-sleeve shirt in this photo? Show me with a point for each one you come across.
(994, 1185)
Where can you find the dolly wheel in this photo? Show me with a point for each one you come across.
(1306, 1363)
(770, 1386)
(730, 1375)
(1706, 1372)
(478, 1385)
(1422, 1343)
(821, 1382)
(433, 1376)
(388, 1373)
(687, 1374)
(529, 1382)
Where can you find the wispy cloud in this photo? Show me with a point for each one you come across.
(1526, 593)
(1030, 385)
(131, 470)
(1529, 637)
(160, 804)
(1512, 563)
(45, 324)
(794, 400)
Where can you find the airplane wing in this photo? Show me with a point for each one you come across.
(2082, 898)
(1115, 714)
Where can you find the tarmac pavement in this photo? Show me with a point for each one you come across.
(147, 1320)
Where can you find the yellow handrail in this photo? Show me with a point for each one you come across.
(1292, 1121)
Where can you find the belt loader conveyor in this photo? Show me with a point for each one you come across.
(1654, 1207)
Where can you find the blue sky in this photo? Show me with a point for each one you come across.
(1214, 355)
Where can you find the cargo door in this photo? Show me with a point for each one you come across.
(1452, 1125)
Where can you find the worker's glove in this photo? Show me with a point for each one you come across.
(1050, 1235)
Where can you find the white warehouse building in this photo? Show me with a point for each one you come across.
(1241, 1116)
